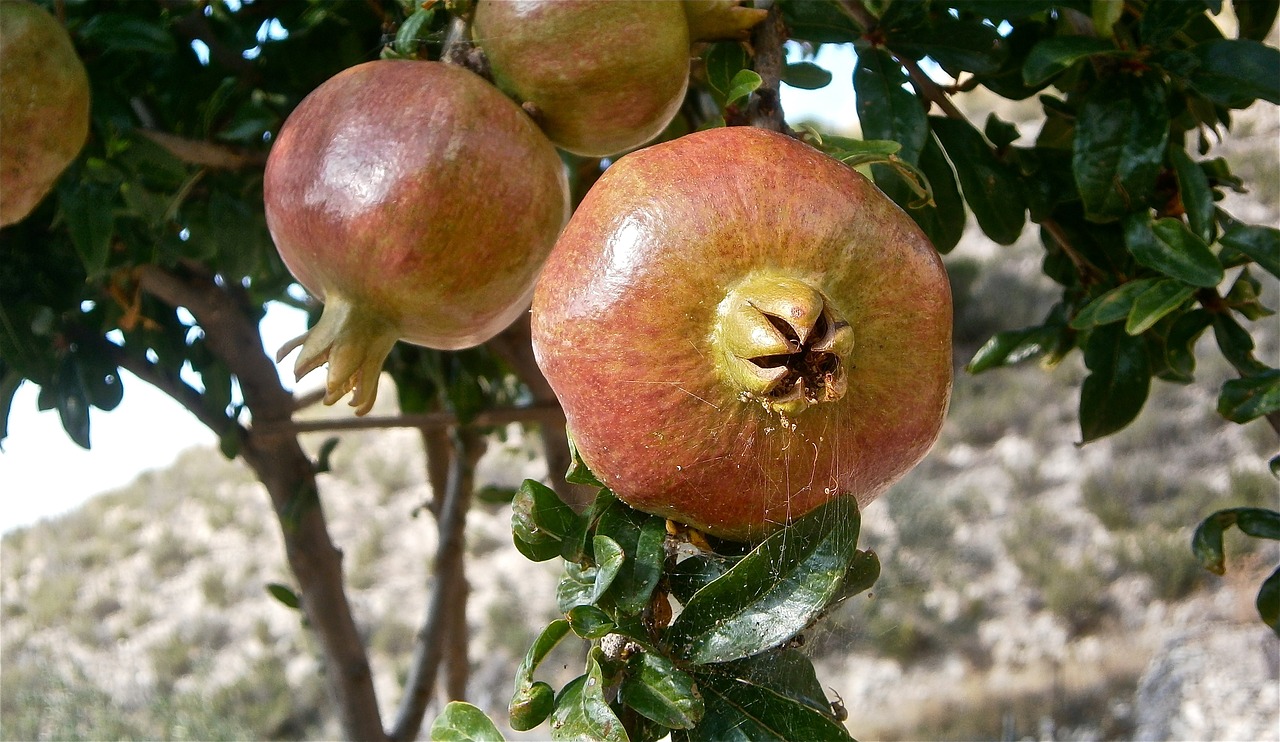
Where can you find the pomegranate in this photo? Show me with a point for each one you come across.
(418, 203)
(605, 76)
(740, 328)
(44, 111)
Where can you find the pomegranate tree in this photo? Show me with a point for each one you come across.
(740, 328)
(418, 203)
(44, 111)
(604, 76)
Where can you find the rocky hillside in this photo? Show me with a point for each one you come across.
(1032, 589)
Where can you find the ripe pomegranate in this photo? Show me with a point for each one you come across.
(605, 75)
(44, 111)
(740, 328)
(418, 202)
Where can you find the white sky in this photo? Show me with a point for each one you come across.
(44, 474)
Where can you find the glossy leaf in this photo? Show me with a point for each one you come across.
(90, 221)
(772, 593)
(1116, 388)
(462, 722)
(1013, 346)
(1105, 14)
(885, 109)
(1250, 397)
(743, 84)
(641, 538)
(1112, 306)
(694, 573)
(1262, 244)
(578, 472)
(1236, 72)
(742, 711)
(531, 702)
(1268, 601)
(1164, 18)
(577, 586)
(1206, 542)
(990, 188)
(1177, 348)
(1236, 344)
(1256, 17)
(582, 714)
(285, 595)
(788, 672)
(660, 691)
(1058, 53)
(805, 75)
(1156, 302)
(1197, 196)
(1120, 136)
(820, 21)
(956, 44)
(1245, 297)
(1169, 246)
(942, 220)
(589, 622)
(539, 521)
(609, 558)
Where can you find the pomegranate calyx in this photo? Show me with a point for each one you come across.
(354, 343)
(782, 344)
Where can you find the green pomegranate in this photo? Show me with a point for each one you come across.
(605, 76)
(740, 328)
(418, 203)
(44, 108)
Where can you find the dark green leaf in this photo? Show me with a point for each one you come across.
(1197, 196)
(1170, 247)
(1053, 55)
(660, 691)
(943, 220)
(886, 110)
(1013, 346)
(325, 454)
(774, 592)
(1119, 144)
(1268, 601)
(806, 76)
(578, 472)
(285, 595)
(785, 671)
(1178, 348)
(1251, 397)
(1255, 17)
(956, 45)
(742, 711)
(1116, 388)
(576, 587)
(582, 714)
(641, 538)
(819, 21)
(589, 622)
(1236, 344)
(609, 557)
(462, 722)
(531, 703)
(1259, 522)
(539, 521)
(1164, 18)
(1245, 297)
(1206, 542)
(1112, 306)
(1160, 299)
(694, 573)
(10, 380)
(991, 189)
(1236, 72)
(121, 32)
(87, 209)
(1262, 244)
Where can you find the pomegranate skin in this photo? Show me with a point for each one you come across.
(630, 317)
(605, 76)
(418, 203)
(44, 109)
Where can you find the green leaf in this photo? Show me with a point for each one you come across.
(772, 593)
(10, 380)
(1197, 196)
(285, 595)
(1262, 244)
(744, 83)
(1256, 17)
(1236, 72)
(1105, 14)
(412, 34)
(1165, 18)
(1116, 388)
(660, 691)
(539, 521)
(742, 711)
(886, 110)
(1245, 297)
(1170, 247)
(122, 32)
(991, 189)
(609, 557)
(578, 472)
(787, 672)
(820, 21)
(1177, 361)
(641, 537)
(90, 218)
(694, 573)
(462, 722)
(1112, 306)
(531, 702)
(1206, 542)
(1053, 55)
(589, 622)
(582, 714)
(1014, 346)
(1268, 601)
(805, 75)
(1236, 344)
(1119, 143)
(1157, 301)
(1250, 397)
(576, 587)
(956, 44)
(943, 220)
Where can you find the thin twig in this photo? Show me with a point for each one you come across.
(765, 109)
(1088, 273)
(1211, 300)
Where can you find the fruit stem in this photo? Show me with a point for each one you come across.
(354, 342)
(782, 344)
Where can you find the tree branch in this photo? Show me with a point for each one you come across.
(177, 390)
(765, 109)
(450, 584)
(289, 477)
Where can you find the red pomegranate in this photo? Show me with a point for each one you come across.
(418, 203)
(740, 328)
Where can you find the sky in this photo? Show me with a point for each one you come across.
(44, 474)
